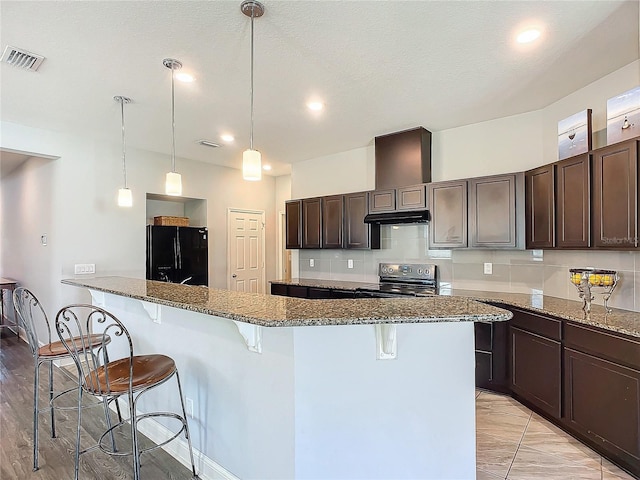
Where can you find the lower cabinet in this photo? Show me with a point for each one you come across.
(536, 370)
(491, 356)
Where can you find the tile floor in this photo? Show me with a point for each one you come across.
(513, 443)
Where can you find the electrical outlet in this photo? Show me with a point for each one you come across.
(488, 268)
(312, 262)
(189, 407)
(350, 263)
(84, 268)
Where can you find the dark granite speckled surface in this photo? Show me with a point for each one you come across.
(276, 311)
(622, 321)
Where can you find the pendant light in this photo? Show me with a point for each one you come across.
(125, 198)
(251, 159)
(173, 185)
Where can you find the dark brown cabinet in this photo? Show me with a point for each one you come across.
(448, 204)
(381, 201)
(540, 207)
(615, 196)
(403, 158)
(332, 221)
(293, 219)
(573, 201)
(491, 356)
(311, 223)
(411, 198)
(358, 234)
(492, 212)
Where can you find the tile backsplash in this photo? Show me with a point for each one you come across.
(518, 271)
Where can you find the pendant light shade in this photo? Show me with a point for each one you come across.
(173, 184)
(251, 159)
(251, 165)
(125, 199)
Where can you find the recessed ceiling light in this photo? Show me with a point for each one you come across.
(185, 77)
(227, 138)
(528, 35)
(315, 106)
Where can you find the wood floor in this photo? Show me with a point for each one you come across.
(56, 454)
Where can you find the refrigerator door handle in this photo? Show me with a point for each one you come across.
(179, 253)
(175, 253)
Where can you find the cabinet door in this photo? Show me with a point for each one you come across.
(492, 212)
(357, 233)
(536, 370)
(448, 204)
(602, 402)
(411, 198)
(573, 202)
(293, 219)
(332, 221)
(311, 223)
(491, 356)
(540, 207)
(381, 201)
(615, 196)
(279, 289)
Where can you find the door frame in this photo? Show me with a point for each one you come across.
(280, 245)
(262, 244)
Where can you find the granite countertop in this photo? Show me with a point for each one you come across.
(622, 321)
(278, 311)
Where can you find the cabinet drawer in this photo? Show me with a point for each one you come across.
(535, 323)
(610, 346)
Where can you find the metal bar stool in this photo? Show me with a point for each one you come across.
(30, 315)
(129, 376)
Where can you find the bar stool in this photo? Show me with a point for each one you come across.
(30, 315)
(129, 376)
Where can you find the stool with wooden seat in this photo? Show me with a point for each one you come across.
(128, 377)
(31, 314)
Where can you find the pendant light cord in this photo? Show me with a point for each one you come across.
(124, 164)
(251, 131)
(173, 122)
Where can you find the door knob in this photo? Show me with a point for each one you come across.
(234, 275)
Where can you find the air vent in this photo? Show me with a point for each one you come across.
(209, 143)
(21, 58)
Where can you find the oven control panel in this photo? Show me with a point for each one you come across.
(407, 271)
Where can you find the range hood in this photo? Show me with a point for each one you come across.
(397, 218)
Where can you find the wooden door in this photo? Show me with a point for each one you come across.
(492, 212)
(448, 204)
(540, 207)
(357, 233)
(615, 196)
(246, 251)
(332, 221)
(311, 223)
(573, 202)
(536, 370)
(411, 198)
(293, 221)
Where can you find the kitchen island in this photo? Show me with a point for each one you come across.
(293, 388)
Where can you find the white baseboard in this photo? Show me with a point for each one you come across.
(206, 468)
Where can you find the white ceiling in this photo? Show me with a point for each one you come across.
(379, 66)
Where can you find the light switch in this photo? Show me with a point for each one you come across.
(488, 268)
(312, 262)
(350, 263)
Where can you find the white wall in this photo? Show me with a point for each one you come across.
(73, 200)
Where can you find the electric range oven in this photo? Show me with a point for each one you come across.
(402, 279)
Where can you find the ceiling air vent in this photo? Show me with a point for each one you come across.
(21, 58)
(208, 143)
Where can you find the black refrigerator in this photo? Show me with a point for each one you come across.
(177, 255)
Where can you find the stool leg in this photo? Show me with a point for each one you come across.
(186, 426)
(36, 378)
(134, 437)
(53, 419)
(77, 455)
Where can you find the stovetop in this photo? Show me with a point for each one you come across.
(406, 279)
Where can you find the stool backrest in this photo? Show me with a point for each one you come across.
(90, 350)
(30, 315)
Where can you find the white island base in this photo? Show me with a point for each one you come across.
(316, 402)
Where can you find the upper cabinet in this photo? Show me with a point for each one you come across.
(540, 207)
(358, 234)
(411, 198)
(332, 221)
(448, 204)
(383, 201)
(493, 209)
(403, 158)
(573, 194)
(311, 223)
(615, 196)
(293, 219)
